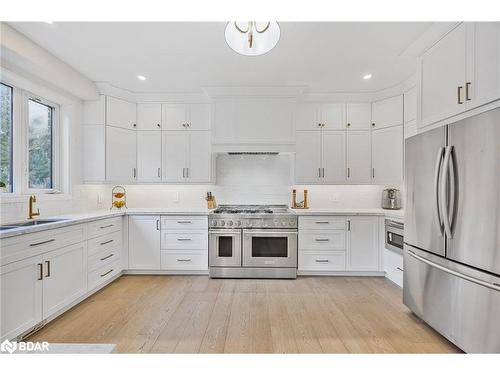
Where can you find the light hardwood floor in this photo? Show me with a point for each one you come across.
(195, 314)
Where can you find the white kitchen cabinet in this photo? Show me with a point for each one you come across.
(94, 153)
(174, 156)
(387, 112)
(144, 242)
(333, 155)
(149, 116)
(149, 161)
(393, 266)
(387, 155)
(362, 243)
(358, 116)
(333, 116)
(308, 157)
(315, 116)
(21, 296)
(359, 158)
(199, 157)
(65, 277)
(483, 63)
(121, 113)
(94, 111)
(187, 116)
(121, 155)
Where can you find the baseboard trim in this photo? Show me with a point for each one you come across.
(165, 272)
(341, 273)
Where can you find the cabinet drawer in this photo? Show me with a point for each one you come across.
(184, 222)
(186, 260)
(103, 243)
(103, 257)
(103, 274)
(28, 245)
(189, 240)
(322, 222)
(322, 240)
(393, 266)
(321, 261)
(102, 227)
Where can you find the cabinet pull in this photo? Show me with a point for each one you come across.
(399, 268)
(321, 239)
(319, 125)
(319, 172)
(348, 225)
(158, 125)
(43, 242)
(184, 222)
(187, 172)
(348, 172)
(459, 95)
(134, 125)
(106, 226)
(183, 172)
(373, 124)
(40, 271)
(159, 172)
(348, 125)
(321, 260)
(107, 273)
(133, 172)
(106, 242)
(157, 224)
(373, 172)
(184, 239)
(323, 172)
(47, 262)
(322, 222)
(467, 86)
(184, 260)
(109, 256)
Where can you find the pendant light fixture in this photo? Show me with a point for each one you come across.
(252, 38)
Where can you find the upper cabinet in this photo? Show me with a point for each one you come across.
(460, 72)
(387, 155)
(121, 113)
(387, 112)
(187, 116)
(149, 116)
(120, 155)
(314, 116)
(358, 116)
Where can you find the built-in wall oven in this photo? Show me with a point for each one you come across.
(394, 239)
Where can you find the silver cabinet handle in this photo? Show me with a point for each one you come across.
(133, 172)
(348, 172)
(106, 226)
(184, 260)
(321, 239)
(47, 262)
(187, 172)
(184, 222)
(107, 273)
(322, 222)
(184, 239)
(348, 225)
(319, 172)
(106, 242)
(459, 95)
(437, 171)
(157, 224)
(321, 260)
(493, 286)
(159, 172)
(399, 268)
(158, 125)
(444, 190)
(43, 242)
(373, 172)
(40, 271)
(467, 86)
(183, 172)
(109, 256)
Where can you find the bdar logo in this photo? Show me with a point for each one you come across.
(8, 346)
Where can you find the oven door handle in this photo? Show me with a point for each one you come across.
(266, 232)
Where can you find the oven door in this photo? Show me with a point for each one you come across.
(225, 248)
(269, 248)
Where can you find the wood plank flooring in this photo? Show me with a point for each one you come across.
(195, 314)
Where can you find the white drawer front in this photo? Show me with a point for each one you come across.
(393, 266)
(322, 261)
(189, 240)
(102, 258)
(103, 243)
(186, 260)
(104, 273)
(184, 222)
(322, 240)
(322, 222)
(105, 226)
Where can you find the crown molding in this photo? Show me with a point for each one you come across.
(218, 92)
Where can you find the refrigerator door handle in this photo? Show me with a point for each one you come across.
(493, 286)
(437, 172)
(445, 201)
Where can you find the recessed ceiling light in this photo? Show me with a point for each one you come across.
(142, 78)
(367, 76)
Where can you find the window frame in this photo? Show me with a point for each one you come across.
(11, 185)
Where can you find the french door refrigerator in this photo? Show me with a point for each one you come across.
(452, 231)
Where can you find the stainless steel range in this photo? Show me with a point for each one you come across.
(253, 242)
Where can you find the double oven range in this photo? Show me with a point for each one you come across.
(253, 242)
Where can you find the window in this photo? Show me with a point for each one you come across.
(5, 138)
(40, 145)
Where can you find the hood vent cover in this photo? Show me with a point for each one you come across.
(253, 153)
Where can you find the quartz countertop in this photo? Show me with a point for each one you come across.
(395, 214)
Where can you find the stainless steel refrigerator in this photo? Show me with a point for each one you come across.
(452, 231)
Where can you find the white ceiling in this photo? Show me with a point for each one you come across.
(184, 57)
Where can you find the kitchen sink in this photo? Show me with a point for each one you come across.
(30, 223)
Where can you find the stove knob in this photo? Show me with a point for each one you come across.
(229, 223)
(214, 223)
(238, 223)
(248, 224)
(283, 223)
(292, 223)
(222, 223)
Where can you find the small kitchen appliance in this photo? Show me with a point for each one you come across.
(391, 199)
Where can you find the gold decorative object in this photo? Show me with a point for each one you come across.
(118, 197)
(211, 204)
(302, 204)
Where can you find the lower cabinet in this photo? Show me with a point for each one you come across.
(144, 242)
(393, 266)
(362, 243)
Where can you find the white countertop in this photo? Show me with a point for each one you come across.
(396, 214)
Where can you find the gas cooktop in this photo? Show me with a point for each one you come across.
(252, 216)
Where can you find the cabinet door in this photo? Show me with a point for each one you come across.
(149, 116)
(307, 157)
(175, 116)
(333, 116)
(362, 243)
(359, 156)
(144, 242)
(65, 277)
(387, 112)
(200, 157)
(21, 296)
(120, 113)
(120, 155)
(199, 117)
(359, 116)
(442, 74)
(483, 63)
(174, 156)
(333, 160)
(387, 155)
(307, 116)
(149, 156)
